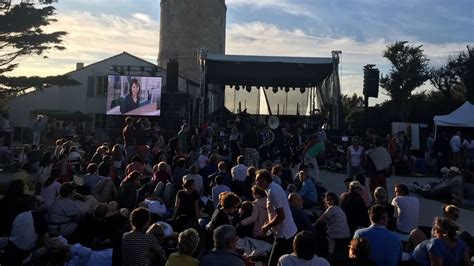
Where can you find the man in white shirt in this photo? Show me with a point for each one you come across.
(280, 219)
(456, 145)
(407, 211)
(239, 174)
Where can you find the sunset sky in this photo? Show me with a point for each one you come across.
(361, 29)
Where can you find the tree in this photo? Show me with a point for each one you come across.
(465, 70)
(456, 76)
(22, 34)
(445, 78)
(409, 70)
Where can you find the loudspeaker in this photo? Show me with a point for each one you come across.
(172, 71)
(371, 82)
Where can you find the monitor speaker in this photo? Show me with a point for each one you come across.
(172, 72)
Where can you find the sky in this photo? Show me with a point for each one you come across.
(361, 29)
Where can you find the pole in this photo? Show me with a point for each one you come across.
(366, 111)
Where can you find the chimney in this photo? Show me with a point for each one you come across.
(79, 65)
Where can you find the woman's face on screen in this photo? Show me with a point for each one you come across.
(135, 89)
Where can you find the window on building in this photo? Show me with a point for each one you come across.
(101, 85)
(97, 86)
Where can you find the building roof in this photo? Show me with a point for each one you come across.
(114, 56)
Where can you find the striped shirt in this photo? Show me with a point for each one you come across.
(336, 222)
(137, 248)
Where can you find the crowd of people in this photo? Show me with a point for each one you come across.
(206, 198)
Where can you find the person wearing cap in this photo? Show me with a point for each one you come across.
(451, 189)
(407, 211)
(354, 207)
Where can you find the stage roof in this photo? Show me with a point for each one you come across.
(269, 71)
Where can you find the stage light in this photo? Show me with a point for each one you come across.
(237, 87)
(275, 89)
(287, 89)
(302, 89)
(248, 88)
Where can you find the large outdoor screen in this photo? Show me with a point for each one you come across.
(133, 95)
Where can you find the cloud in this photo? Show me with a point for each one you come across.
(285, 6)
(95, 37)
(143, 17)
(257, 38)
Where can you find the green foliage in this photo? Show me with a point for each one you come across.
(21, 35)
(350, 105)
(465, 63)
(456, 77)
(409, 70)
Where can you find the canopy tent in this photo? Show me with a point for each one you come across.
(276, 72)
(269, 71)
(461, 117)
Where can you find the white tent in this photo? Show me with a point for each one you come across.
(461, 117)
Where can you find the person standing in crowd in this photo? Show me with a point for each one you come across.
(355, 154)
(183, 139)
(407, 211)
(234, 145)
(218, 189)
(39, 126)
(378, 163)
(225, 246)
(441, 149)
(129, 137)
(386, 247)
(429, 148)
(280, 219)
(250, 141)
(303, 252)
(313, 148)
(468, 145)
(140, 244)
(239, 173)
(456, 146)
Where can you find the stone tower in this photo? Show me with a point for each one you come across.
(185, 27)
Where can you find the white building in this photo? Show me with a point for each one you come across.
(87, 100)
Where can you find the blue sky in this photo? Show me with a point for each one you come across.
(361, 29)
